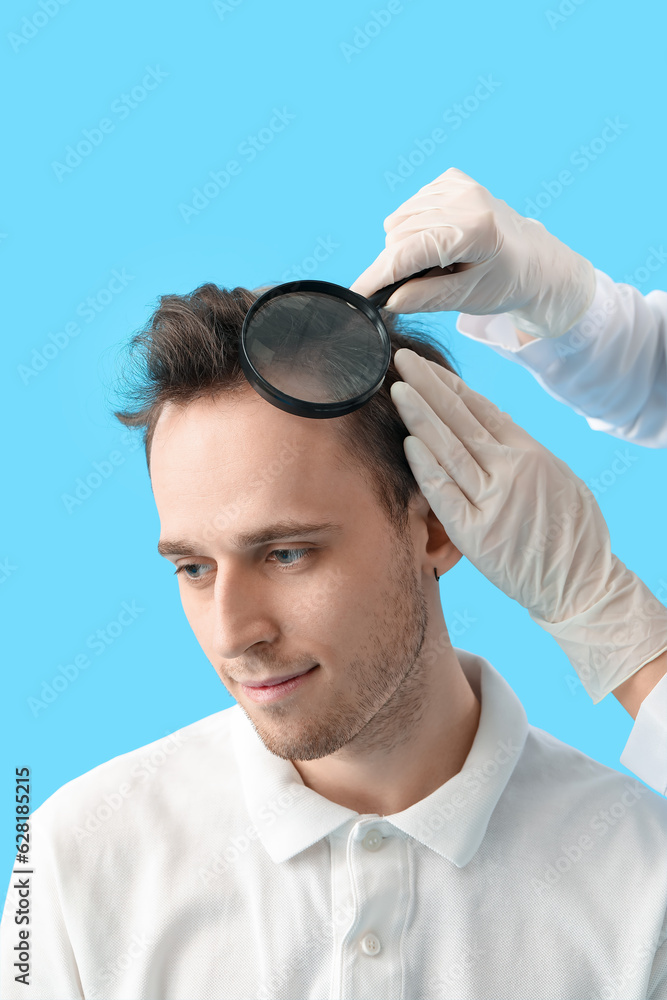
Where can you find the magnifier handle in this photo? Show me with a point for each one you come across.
(379, 298)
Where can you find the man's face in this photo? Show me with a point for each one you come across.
(352, 607)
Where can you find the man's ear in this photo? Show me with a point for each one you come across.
(440, 547)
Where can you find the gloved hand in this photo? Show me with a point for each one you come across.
(505, 263)
(531, 526)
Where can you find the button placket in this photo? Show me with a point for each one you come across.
(371, 960)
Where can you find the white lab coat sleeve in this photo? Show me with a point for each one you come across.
(645, 753)
(657, 984)
(53, 970)
(610, 366)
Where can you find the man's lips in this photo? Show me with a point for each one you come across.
(272, 681)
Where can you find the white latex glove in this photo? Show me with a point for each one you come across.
(531, 526)
(504, 263)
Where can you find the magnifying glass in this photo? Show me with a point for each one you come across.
(317, 349)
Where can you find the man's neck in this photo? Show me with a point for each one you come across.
(394, 774)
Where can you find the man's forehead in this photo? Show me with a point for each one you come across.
(241, 440)
(243, 417)
(227, 473)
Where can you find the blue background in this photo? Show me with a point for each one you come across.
(324, 176)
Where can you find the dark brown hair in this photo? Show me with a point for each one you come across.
(189, 349)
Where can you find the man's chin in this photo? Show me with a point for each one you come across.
(297, 743)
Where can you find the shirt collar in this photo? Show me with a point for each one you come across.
(452, 820)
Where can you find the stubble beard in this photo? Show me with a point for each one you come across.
(389, 685)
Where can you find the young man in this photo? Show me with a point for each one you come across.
(375, 817)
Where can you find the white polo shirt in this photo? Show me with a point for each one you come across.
(200, 867)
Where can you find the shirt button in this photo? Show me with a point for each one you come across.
(370, 944)
(372, 840)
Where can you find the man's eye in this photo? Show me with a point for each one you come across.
(301, 553)
(188, 566)
(298, 556)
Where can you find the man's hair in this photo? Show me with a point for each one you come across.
(189, 349)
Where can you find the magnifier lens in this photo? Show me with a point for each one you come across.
(315, 347)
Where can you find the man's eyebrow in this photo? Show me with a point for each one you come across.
(251, 539)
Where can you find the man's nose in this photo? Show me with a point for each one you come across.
(243, 615)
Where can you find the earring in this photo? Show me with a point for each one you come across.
(435, 573)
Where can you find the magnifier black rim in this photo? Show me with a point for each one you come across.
(290, 404)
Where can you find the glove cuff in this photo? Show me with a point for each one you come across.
(614, 638)
(560, 304)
